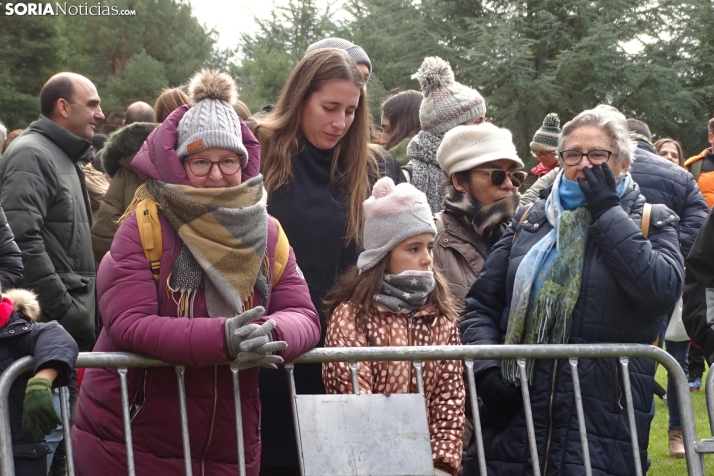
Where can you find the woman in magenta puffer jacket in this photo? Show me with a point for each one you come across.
(216, 273)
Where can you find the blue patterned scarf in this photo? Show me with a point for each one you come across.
(547, 282)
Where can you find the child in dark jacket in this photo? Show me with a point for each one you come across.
(32, 413)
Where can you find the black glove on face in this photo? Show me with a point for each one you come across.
(496, 394)
(600, 190)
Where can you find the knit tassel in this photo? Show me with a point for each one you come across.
(142, 193)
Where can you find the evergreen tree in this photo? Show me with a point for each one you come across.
(271, 53)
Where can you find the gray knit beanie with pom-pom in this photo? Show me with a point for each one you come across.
(211, 122)
(446, 103)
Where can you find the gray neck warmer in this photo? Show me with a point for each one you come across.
(405, 291)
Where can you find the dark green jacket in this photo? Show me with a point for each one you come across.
(43, 193)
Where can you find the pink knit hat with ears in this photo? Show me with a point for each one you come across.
(391, 215)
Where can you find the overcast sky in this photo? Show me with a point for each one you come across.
(233, 17)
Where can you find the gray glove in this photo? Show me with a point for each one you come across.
(252, 344)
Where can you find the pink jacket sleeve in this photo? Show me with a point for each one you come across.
(297, 322)
(129, 306)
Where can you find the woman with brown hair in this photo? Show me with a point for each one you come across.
(400, 122)
(168, 101)
(671, 150)
(318, 166)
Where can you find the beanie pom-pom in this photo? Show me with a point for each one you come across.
(383, 187)
(433, 75)
(552, 120)
(212, 84)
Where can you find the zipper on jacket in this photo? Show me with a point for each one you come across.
(213, 420)
(409, 342)
(550, 418)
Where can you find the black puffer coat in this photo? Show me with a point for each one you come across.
(10, 257)
(43, 193)
(663, 182)
(627, 281)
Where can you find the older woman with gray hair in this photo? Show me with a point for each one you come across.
(574, 268)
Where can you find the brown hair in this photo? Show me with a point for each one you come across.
(168, 101)
(353, 158)
(242, 110)
(11, 136)
(658, 145)
(360, 289)
(710, 126)
(402, 110)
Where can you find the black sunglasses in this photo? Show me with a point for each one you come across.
(499, 176)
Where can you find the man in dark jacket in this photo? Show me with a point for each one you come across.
(43, 192)
(10, 258)
(698, 313)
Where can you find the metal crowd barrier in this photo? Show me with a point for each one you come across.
(122, 361)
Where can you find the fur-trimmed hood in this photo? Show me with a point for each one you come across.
(123, 145)
(25, 302)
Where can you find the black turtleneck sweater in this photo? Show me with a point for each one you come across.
(313, 213)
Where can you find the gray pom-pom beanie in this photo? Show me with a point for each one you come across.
(391, 215)
(211, 122)
(446, 103)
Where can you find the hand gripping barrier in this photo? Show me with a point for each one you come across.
(624, 352)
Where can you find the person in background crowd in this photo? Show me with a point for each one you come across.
(446, 104)
(3, 132)
(393, 283)
(545, 144)
(43, 192)
(483, 169)
(701, 167)
(356, 53)
(138, 112)
(318, 166)
(54, 352)
(98, 142)
(698, 313)
(14, 134)
(242, 110)
(168, 101)
(400, 122)
(574, 268)
(97, 185)
(198, 314)
(671, 150)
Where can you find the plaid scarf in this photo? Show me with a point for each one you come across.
(224, 233)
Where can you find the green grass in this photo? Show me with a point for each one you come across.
(662, 464)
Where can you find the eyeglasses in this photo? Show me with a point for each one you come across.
(595, 157)
(201, 166)
(499, 176)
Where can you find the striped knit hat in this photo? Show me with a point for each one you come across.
(546, 137)
(211, 122)
(391, 215)
(446, 103)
